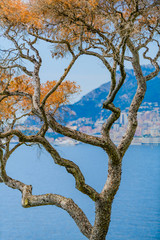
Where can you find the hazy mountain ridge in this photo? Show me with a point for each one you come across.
(90, 105)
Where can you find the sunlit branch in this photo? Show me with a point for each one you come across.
(29, 200)
(70, 166)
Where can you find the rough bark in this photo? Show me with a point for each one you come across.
(102, 142)
(70, 166)
(104, 204)
(109, 46)
(136, 102)
(29, 200)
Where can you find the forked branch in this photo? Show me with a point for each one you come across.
(29, 200)
(70, 166)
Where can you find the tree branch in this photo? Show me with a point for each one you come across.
(24, 69)
(70, 166)
(136, 102)
(154, 62)
(29, 200)
(106, 143)
(92, 53)
(60, 80)
(112, 118)
(6, 94)
(52, 41)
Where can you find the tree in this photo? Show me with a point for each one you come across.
(112, 31)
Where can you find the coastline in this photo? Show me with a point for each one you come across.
(64, 141)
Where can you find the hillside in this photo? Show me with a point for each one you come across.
(90, 105)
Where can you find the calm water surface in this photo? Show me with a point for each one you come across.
(136, 208)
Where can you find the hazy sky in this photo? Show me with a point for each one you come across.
(88, 71)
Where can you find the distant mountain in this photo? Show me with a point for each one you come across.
(90, 105)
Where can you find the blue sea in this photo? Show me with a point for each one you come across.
(135, 211)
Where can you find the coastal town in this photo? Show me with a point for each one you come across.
(148, 130)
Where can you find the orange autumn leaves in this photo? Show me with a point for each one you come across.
(17, 12)
(60, 96)
(63, 19)
(9, 105)
(12, 105)
(34, 12)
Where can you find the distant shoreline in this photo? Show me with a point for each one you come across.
(70, 142)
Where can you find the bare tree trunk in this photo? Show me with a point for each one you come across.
(104, 204)
(102, 220)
